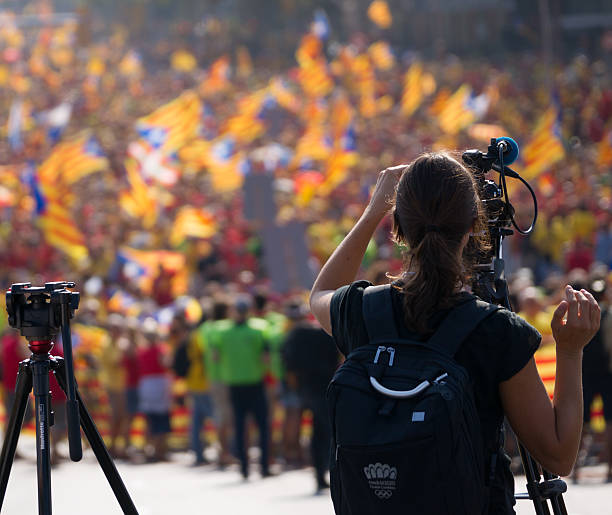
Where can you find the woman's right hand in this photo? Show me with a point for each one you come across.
(573, 332)
(382, 197)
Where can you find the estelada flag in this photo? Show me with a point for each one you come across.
(172, 125)
(545, 147)
(192, 222)
(71, 160)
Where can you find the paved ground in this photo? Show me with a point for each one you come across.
(175, 488)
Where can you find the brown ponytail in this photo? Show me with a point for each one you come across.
(436, 205)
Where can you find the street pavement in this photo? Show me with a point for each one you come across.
(175, 488)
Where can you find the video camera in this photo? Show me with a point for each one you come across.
(489, 283)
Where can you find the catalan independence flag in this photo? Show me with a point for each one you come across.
(462, 109)
(55, 219)
(191, 222)
(545, 147)
(138, 200)
(147, 263)
(246, 125)
(172, 125)
(418, 84)
(71, 160)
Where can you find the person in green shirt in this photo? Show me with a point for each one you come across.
(207, 338)
(241, 353)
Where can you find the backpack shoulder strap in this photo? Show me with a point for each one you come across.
(377, 312)
(459, 323)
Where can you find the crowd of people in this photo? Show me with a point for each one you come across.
(152, 329)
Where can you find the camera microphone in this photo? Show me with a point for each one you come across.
(484, 162)
(509, 147)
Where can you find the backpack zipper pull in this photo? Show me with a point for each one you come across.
(380, 349)
(391, 352)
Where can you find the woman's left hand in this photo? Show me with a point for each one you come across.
(384, 191)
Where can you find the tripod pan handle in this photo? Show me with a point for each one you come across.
(74, 429)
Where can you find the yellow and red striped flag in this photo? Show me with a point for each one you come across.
(172, 125)
(60, 230)
(72, 160)
(462, 109)
(55, 219)
(283, 95)
(417, 85)
(381, 54)
(455, 115)
(545, 147)
(138, 201)
(191, 222)
(245, 126)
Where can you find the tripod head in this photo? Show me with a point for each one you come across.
(40, 313)
(36, 311)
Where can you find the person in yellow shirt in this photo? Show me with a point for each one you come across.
(113, 379)
(199, 398)
(189, 364)
(533, 311)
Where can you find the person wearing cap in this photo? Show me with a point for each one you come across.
(240, 350)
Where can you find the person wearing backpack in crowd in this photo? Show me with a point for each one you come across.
(438, 448)
(311, 358)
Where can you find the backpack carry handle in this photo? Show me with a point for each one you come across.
(404, 394)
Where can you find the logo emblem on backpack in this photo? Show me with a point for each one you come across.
(382, 478)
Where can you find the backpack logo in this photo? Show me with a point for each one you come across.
(382, 478)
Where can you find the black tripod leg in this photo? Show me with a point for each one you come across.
(532, 475)
(15, 422)
(42, 405)
(98, 447)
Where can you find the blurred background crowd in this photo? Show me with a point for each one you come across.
(190, 165)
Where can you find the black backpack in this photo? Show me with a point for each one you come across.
(406, 433)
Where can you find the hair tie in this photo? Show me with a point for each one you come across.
(432, 228)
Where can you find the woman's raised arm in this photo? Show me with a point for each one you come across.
(551, 430)
(342, 266)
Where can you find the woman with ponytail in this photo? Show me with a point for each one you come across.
(437, 217)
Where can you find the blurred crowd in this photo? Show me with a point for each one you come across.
(167, 308)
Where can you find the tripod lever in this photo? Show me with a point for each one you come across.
(72, 404)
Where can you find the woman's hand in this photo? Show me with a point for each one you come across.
(581, 323)
(384, 191)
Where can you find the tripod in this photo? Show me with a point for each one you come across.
(39, 317)
(491, 285)
(542, 486)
